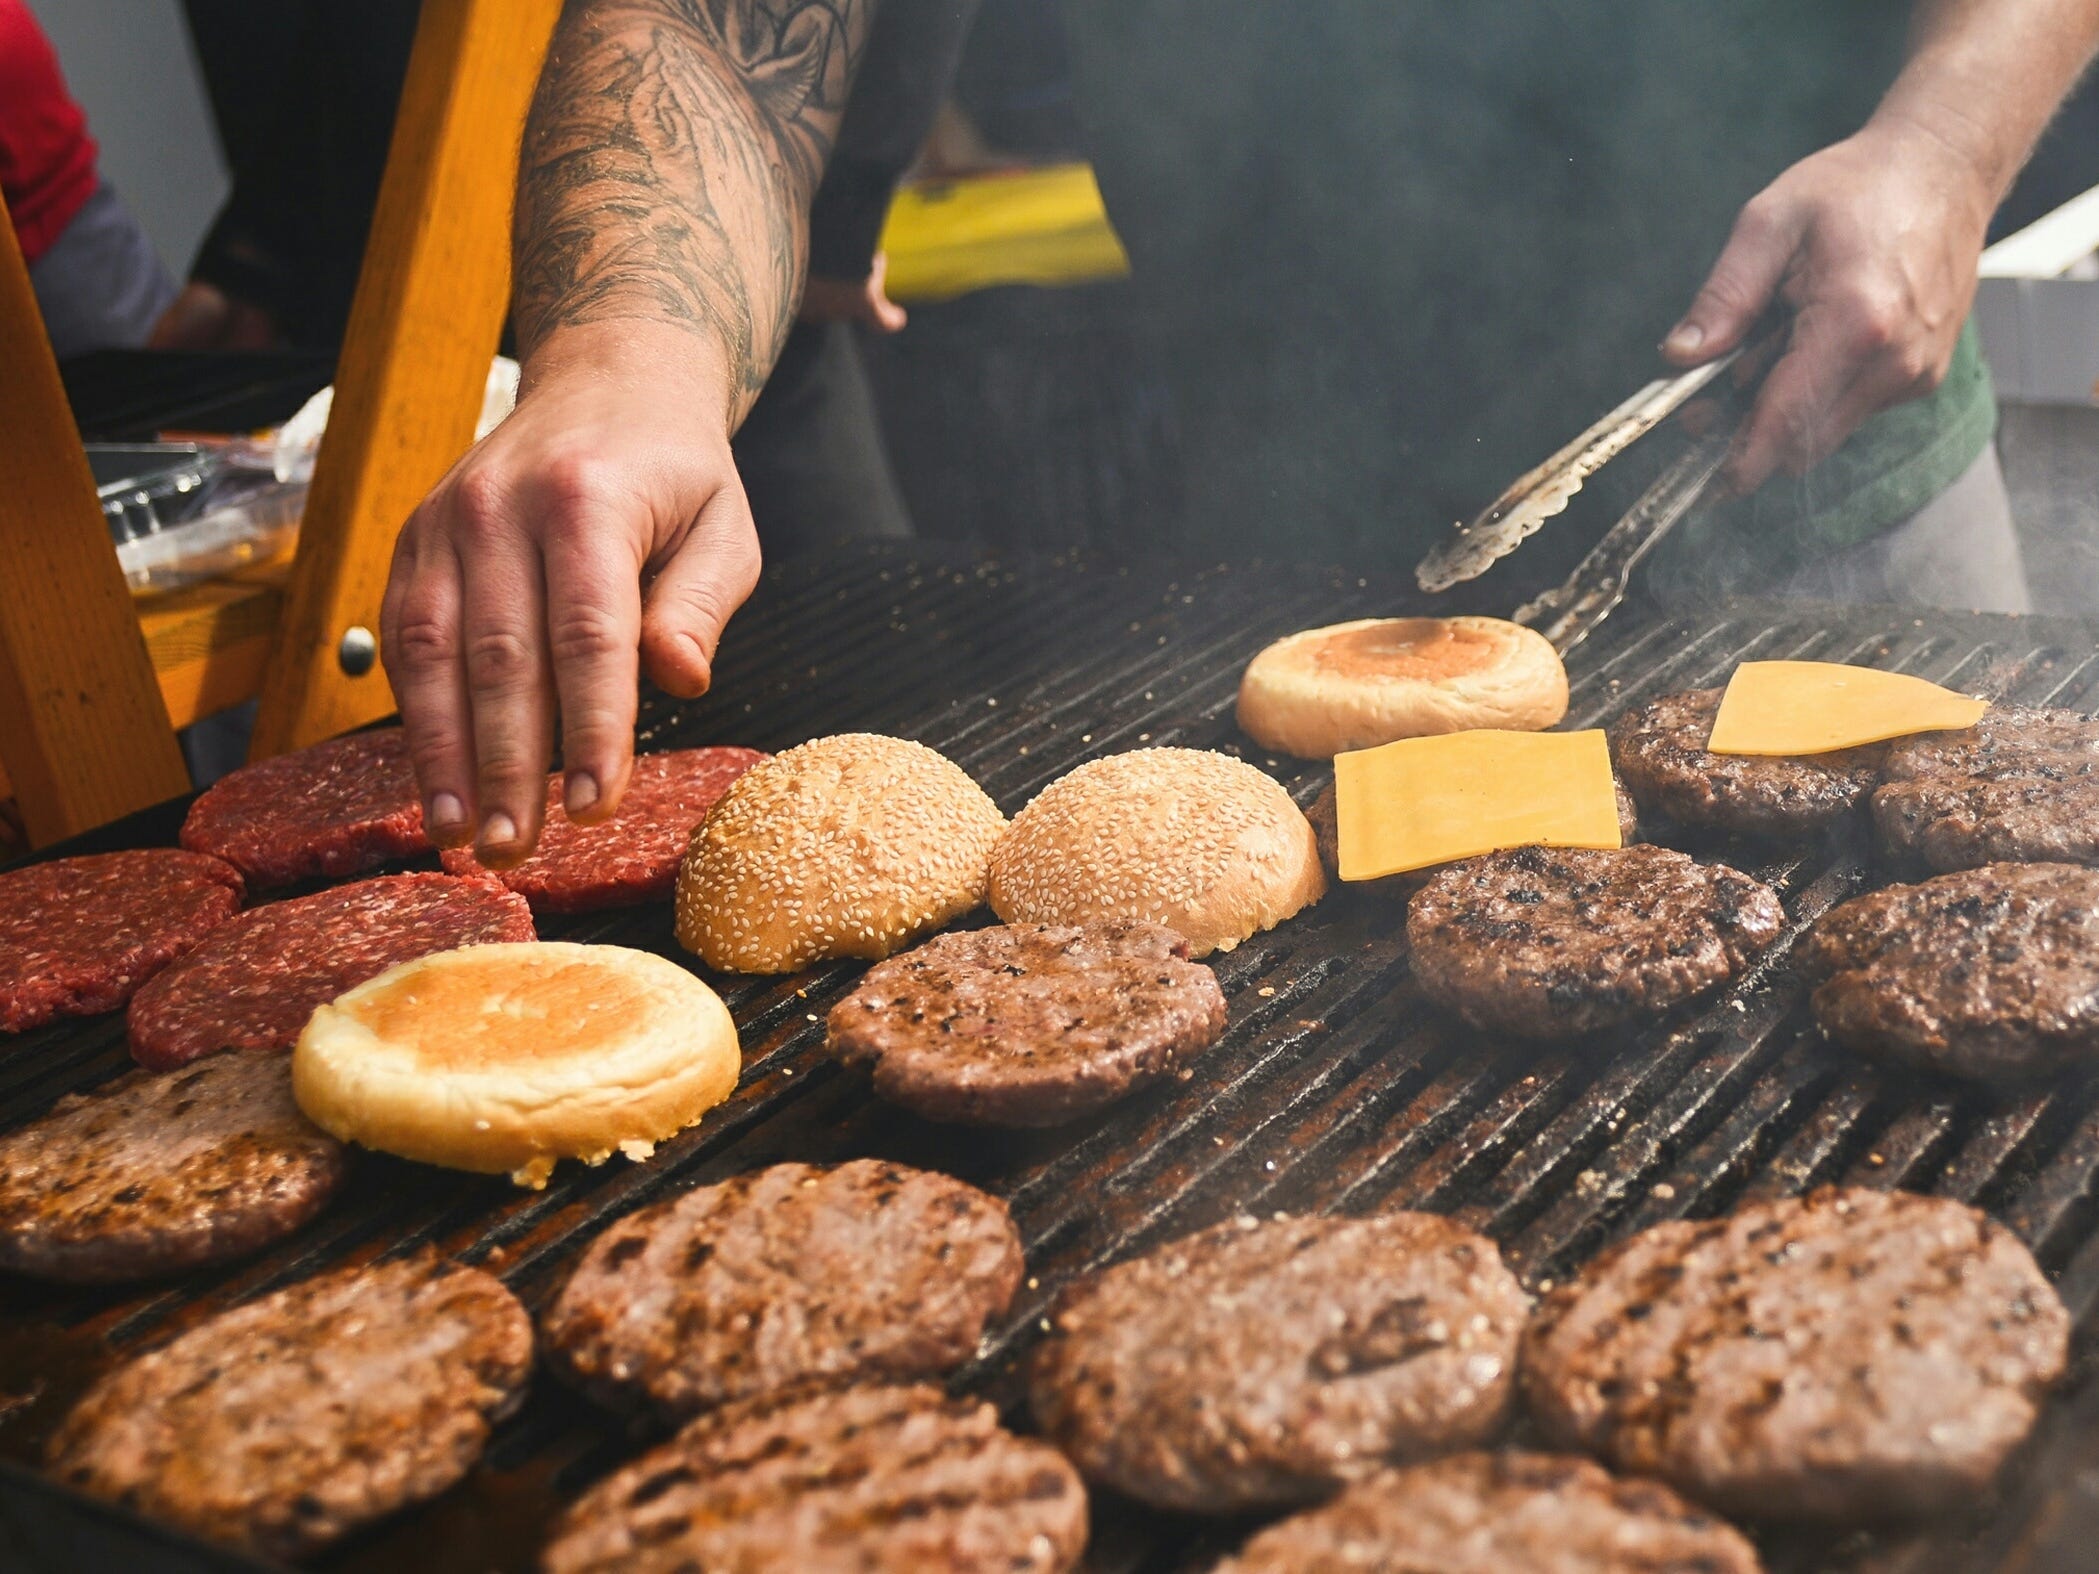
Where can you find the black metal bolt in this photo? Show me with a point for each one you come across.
(357, 652)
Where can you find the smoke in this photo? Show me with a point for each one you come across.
(1393, 255)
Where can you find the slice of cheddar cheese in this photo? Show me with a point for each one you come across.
(1425, 801)
(1812, 707)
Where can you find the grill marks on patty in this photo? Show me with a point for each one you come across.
(1028, 1025)
(1660, 751)
(872, 1479)
(1497, 1513)
(1263, 1363)
(1990, 973)
(280, 1425)
(151, 1174)
(1556, 942)
(782, 1277)
(1850, 1355)
(2021, 785)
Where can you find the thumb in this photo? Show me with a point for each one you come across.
(885, 314)
(1740, 287)
(696, 592)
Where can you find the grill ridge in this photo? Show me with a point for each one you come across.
(1338, 1090)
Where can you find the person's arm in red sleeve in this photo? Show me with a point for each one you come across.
(47, 158)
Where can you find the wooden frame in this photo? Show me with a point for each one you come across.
(85, 731)
(428, 313)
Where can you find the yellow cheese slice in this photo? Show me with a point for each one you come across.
(1424, 801)
(1812, 707)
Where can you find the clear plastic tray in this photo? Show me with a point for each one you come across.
(181, 513)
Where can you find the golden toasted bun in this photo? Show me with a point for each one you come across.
(1356, 685)
(504, 1058)
(856, 845)
(1199, 842)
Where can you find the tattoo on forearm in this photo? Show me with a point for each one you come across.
(668, 164)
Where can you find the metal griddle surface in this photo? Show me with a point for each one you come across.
(1334, 1087)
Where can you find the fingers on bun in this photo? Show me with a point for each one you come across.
(1200, 842)
(851, 846)
(1357, 685)
(505, 1058)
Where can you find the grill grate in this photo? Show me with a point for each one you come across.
(1333, 1087)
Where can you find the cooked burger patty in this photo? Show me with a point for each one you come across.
(630, 858)
(1553, 942)
(79, 935)
(336, 809)
(874, 1480)
(281, 1424)
(1028, 1025)
(2021, 785)
(1849, 1355)
(1498, 1513)
(1660, 751)
(1990, 973)
(789, 1275)
(259, 977)
(156, 1173)
(1326, 831)
(1263, 1362)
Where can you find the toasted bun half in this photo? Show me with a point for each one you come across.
(856, 845)
(1356, 685)
(1200, 842)
(505, 1058)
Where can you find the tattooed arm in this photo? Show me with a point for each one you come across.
(669, 163)
(664, 184)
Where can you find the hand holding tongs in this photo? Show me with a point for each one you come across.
(1598, 584)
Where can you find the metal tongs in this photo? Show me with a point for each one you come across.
(1566, 615)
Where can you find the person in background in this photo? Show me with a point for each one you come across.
(99, 283)
(303, 95)
(673, 153)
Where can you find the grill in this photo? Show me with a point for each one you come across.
(1334, 1088)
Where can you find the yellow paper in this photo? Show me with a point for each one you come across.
(1813, 707)
(1425, 801)
(1046, 226)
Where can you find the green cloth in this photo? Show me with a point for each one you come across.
(1392, 254)
(1892, 466)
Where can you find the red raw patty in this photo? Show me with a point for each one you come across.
(336, 809)
(632, 857)
(78, 935)
(256, 981)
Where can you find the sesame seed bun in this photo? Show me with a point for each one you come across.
(505, 1058)
(1357, 685)
(852, 846)
(1200, 842)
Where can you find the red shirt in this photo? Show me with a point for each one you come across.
(47, 159)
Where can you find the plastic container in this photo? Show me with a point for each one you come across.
(182, 513)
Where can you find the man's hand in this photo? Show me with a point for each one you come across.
(664, 184)
(847, 300)
(1873, 245)
(600, 528)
